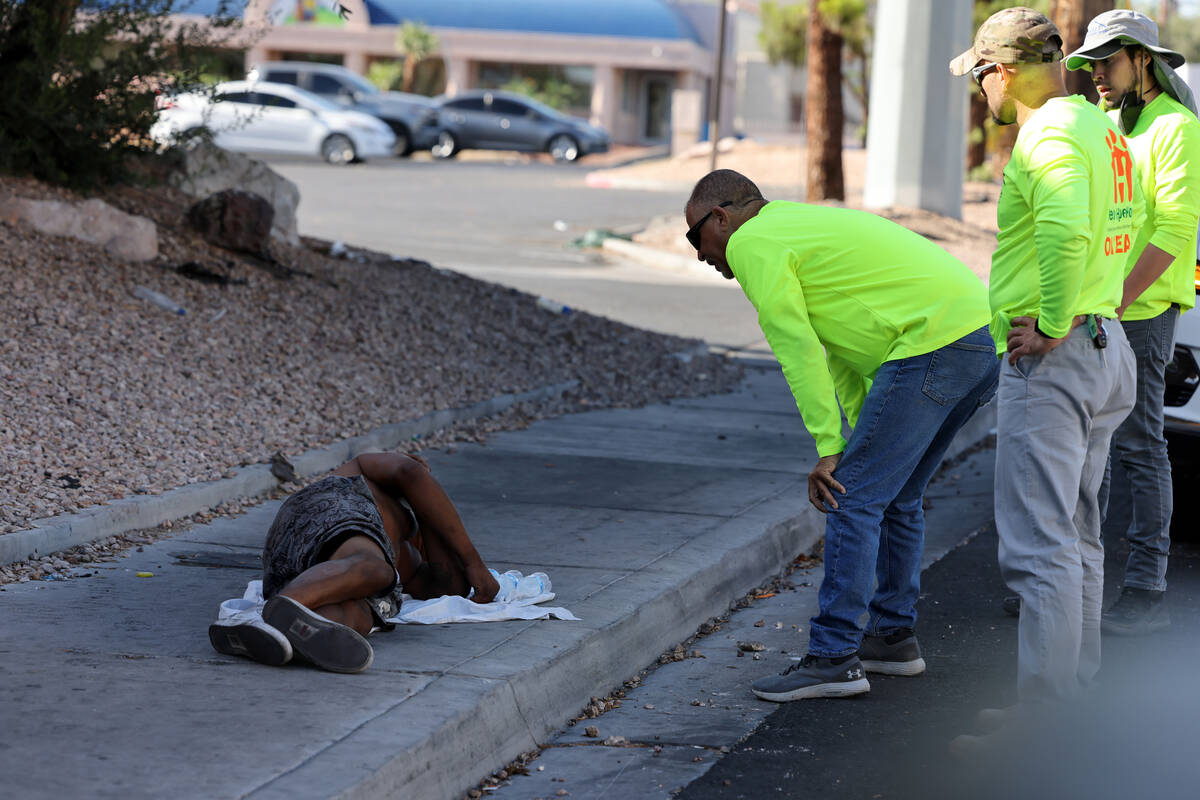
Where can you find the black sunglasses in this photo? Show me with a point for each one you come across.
(693, 234)
(978, 72)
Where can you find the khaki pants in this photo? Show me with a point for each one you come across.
(1056, 417)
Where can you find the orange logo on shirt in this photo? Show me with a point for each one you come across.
(1122, 167)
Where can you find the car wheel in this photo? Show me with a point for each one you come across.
(446, 147)
(338, 149)
(403, 147)
(564, 148)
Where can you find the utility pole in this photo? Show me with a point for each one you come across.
(714, 119)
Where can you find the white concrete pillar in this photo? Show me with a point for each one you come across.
(687, 118)
(458, 74)
(604, 96)
(257, 55)
(355, 61)
(916, 140)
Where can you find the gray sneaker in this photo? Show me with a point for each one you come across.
(319, 641)
(814, 676)
(894, 654)
(247, 635)
(1136, 613)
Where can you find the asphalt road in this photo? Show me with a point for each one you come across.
(513, 223)
(1136, 738)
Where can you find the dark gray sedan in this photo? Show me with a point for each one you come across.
(483, 119)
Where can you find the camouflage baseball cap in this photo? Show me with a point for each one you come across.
(1012, 36)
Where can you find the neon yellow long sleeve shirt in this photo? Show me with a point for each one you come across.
(839, 292)
(1067, 216)
(1165, 145)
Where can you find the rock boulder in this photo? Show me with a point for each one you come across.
(206, 169)
(126, 236)
(236, 220)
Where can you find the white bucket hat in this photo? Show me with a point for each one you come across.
(1112, 30)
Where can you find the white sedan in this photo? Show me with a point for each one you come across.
(261, 117)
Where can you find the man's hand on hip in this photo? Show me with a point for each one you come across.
(821, 484)
(1024, 340)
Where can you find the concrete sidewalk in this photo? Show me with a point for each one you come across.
(648, 521)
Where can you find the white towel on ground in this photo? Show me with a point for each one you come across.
(509, 604)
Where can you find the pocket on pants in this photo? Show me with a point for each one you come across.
(1025, 366)
(1165, 338)
(955, 371)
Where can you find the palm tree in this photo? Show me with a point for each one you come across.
(824, 119)
(817, 34)
(417, 43)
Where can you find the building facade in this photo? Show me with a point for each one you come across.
(642, 69)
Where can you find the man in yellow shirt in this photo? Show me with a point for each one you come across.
(862, 312)
(1067, 217)
(1154, 107)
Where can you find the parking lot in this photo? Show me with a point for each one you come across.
(512, 220)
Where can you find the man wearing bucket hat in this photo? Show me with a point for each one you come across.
(1067, 216)
(1155, 110)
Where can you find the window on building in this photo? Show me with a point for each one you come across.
(316, 58)
(565, 87)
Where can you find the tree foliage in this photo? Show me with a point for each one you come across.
(784, 38)
(553, 92)
(79, 78)
(784, 32)
(387, 75)
(417, 43)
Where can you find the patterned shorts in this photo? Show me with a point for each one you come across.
(313, 523)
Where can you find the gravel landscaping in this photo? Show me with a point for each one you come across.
(103, 394)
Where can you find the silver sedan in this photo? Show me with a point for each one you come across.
(261, 117)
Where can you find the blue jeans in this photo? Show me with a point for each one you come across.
(1140, 445)
(874, 539)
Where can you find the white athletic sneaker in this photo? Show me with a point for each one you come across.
(241, 631)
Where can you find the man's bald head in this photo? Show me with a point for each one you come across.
(721, 203)
(721, 186)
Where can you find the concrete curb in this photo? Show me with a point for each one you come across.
(147, 511)
(598, 180)
(662, 259)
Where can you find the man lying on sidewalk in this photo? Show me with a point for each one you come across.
(338, 555)
(861, 311)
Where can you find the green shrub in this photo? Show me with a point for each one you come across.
(387, 75)
(78, 80)
(553, 92)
